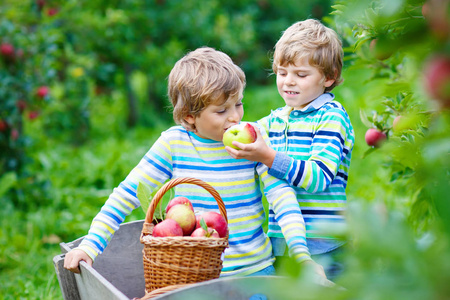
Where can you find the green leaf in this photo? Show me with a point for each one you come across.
(7, 181)
(367, 152)
(364, 119)
(360, 42)
(203, 224)
(144, 196)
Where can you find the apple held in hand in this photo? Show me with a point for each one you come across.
(184, 216)
(179, 200)
(168, 227)
(214, 220)
(243, 133)
(374, 137)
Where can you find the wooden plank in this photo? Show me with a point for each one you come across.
(69, 288)
(92, 285)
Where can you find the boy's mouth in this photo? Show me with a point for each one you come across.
(291, 93)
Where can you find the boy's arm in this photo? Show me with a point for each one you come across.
(287, 213)
(153, 169)
(332, 140)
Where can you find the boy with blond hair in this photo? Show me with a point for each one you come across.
(206, 90)
(311, 136)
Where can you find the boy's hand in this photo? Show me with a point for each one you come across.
(73, 258)
(315, 267)
(257, 151)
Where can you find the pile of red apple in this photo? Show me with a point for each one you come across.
(181, 221)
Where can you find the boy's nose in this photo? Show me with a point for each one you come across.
(290, 80)
(234, 116)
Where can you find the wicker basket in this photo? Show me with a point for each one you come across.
(176, 261)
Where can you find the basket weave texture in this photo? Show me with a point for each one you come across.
(175, 261)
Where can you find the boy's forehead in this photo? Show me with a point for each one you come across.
(300, 63)
(222, 100)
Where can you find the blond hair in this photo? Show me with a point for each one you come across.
(200, 78)
(315, 42)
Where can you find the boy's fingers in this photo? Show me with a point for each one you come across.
(72, 265)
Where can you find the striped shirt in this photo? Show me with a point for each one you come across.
(314, 147)
(179, 153)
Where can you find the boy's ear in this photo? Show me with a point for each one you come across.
(329, 82)
(190, 119)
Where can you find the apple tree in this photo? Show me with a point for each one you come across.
(403, 47)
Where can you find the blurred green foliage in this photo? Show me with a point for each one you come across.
(105, 64)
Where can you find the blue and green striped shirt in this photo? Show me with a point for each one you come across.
(179, 153)
(314, 147)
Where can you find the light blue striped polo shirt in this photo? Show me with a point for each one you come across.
(314, 147)
(179, 153)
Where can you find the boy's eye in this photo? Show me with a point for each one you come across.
(301, 75)
(239, 104)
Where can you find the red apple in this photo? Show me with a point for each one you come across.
(210, 233)
(14, 134)
(380, 49)
(184, 216)
(42, 91)
(243, 133)
(436, 14)
(397, 122)
(214, 220)
(7, 50)
(33, 115)
(52, 11)
(374, 137)
(40, 4)
(21, 105)
(179, 200)
(168, 227)
(437, 79)
(3, 125)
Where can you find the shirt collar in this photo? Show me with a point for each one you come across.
(312, 106)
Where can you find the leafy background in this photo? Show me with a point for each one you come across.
(105, 65)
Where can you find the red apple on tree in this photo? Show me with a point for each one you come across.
(380, 48)
(437, 79)
(243, 133)
(21, 105)
(14, 134)
(374, 137)
(436, 14)
(179, 200)
(168, 227)
(42, 91)
(3, 125)
(40, 4)
(396, 124)
(214, 220)
(6, 49)
(52, 11)
(33, 115)
(184, 216)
